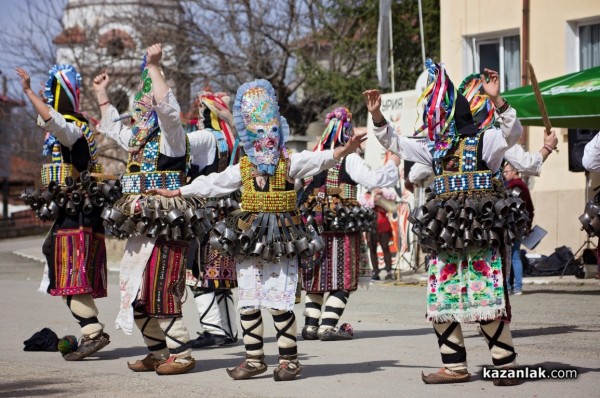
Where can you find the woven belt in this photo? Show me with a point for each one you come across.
(136, 183)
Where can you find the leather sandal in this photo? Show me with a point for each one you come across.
(287, 370)
(446, 376)
(87, 346)
(175, 365)
(148, 364)
(248, 369)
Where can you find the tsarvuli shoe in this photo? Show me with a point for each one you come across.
(87, 346)
(148, 364)
(334, 334)
(288, 369)
(175, 365)
(309, 333)
(248, 369)
(207, 339)
(446, 376)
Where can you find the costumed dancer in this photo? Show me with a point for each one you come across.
(590, 219)
(468, 220)
(152, 275)
(330, 203)
(74, 248)
(268, 234)
(211, 275)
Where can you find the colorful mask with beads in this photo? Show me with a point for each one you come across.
(261, 129)
(145, 120)
(338, 131)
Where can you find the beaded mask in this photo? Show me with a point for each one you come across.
(261, 129)
(145, 120)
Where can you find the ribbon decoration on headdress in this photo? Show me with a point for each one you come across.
(262, 131)
(61, 91)
(438, 109)
(482, 107)
(220, 115)
(338, 131)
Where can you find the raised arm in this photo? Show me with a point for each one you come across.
(413, 150)
(307, 164)
(110, 125)
(166, 106)
(53, 121)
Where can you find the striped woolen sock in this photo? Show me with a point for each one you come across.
(313, 302)
(334, 308)
(499, 339)
(177, 336)
(285, 325)
(154, 337)
(83, 308)
(252, 330)
(452, 345)
(228, 313)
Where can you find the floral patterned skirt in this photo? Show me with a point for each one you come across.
(466, 288)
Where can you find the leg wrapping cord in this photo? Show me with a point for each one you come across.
(177, 336)
(334, 308)
(285, 325)
(252, 330)
(210, 316)
(154, 337)
(312, 308)
(452, 345)
(228, 313)
(83, 308)
(499, 339)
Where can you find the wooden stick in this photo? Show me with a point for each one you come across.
(540, 100)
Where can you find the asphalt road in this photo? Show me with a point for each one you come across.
(555, 325)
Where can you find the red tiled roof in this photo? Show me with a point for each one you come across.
(73, 35)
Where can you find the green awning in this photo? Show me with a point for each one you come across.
(572, 101)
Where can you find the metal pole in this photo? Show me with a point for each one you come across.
(392, 54)
(422, 34)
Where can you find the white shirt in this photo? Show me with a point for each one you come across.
(172, 142)
(591, 154)
(495, 141)
(302, 164)
(67, 133)
(362, 174)
(527, 163)
(203, 147)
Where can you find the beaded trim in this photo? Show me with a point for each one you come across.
(333, 181)
(463, 182)
(468, 179)
(276, 200)
(56, 172)
(136, 183)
